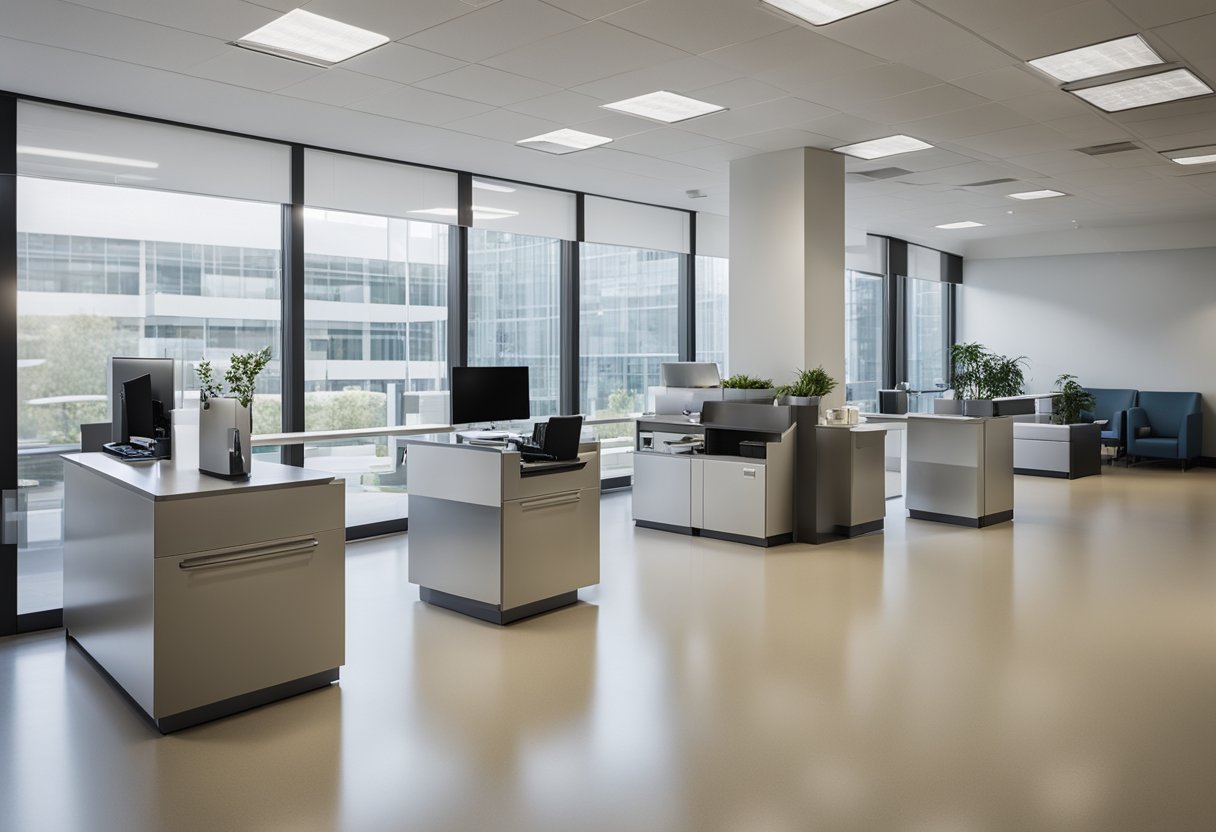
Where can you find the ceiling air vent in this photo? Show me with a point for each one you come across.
(1004, 181)
(1103, 149)
(883, 173)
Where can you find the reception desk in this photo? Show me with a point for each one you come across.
(200, 597)
(497, 538)
(960, 469)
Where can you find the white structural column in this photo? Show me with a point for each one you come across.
(787, 243)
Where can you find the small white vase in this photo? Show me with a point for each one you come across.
(224, 429)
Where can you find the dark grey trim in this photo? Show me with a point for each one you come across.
(8, 347)
(765, 542)
(1206, 462)
(952, 268)
(616, 483)
(664, 527)
(493, 613)
(380, 529)
(292, 342)
(1041, 472)
(568, 394)
(686, 303)
(458, 294)
(957, 520)
(30, 622)
(464, 199)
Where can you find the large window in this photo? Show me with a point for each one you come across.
(628, 325)
(375, 347)
(863, 339)
(106, 271)
(515, 309)
(713, 309)
(927, 337)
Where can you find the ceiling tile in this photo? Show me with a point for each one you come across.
(503, 125)
(565, 107)
(339, 87)
(920, 104)
(1078, 24)
(784, 138)
(1179, 141)
(884, 81)
(422, 106)
(1048, 105)
(1055, 162)
(1153, 13)
(391, 18)
(1006, 82)
(1193, 41)
(738, 93)
(987, 17)
(782, 112)
(958, 55)
(401, 63)
(495, 29)
(663, 142)
(846, 128)
(715, 156)
(593, 50)
(1018, 141)
(617, 126)
(592, 9)
(640, 165)
(254, 70)
(224, 19)
(674, 76)
(489, 86)
(698, 25)
(1089, 129)
(986, 118)
(795, 45)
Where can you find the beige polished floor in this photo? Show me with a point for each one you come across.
(1058, 673)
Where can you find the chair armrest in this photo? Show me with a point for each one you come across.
(1118, 423)
(1136, 418)
(1190, 438)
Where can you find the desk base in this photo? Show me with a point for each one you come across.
(775, 540)
(848, 532)
(957, 520)
(492, 612)
(225, 707)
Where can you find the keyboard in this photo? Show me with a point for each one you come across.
(127, 451)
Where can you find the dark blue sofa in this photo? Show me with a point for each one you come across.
(1174, 423)
(1111, 404)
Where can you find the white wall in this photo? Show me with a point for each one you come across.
(1144, 320)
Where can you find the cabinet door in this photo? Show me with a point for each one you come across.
(735, 497)
(244, 618)
(662, 488)
(550, 545)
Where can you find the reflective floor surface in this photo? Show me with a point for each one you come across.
(1057, 673)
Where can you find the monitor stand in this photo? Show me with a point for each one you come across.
(484, 437)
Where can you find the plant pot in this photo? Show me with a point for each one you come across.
(978, 407)
(224, 428)
(947, 407)
(800, 400)
(738, 394)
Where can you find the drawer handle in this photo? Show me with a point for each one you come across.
(749, 473)
(549, 502)
(245, 554)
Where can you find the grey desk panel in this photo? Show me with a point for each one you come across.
(662, 488)
(551, 544)
(456, 547)
(166, 481)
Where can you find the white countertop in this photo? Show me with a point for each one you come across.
(162, 480)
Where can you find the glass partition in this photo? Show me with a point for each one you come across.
(863, 339)
(713, 310)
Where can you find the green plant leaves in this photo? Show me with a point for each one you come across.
(742, 381)
(241, 375)
(814, 382)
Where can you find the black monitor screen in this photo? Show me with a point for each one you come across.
(137, 408)
(489, 394)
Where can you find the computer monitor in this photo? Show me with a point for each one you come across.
(125, 368)
(137, 418)
(489, 394)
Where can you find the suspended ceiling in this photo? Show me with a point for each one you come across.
(463, 80)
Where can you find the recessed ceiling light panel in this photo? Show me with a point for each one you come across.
(1144, 91)
(950, 226)
(564, 141)
(1046, 193)
(1100, 59)
(667, 107)
(1189, 155)
(888, 146)
(822, 12)
(311, 38)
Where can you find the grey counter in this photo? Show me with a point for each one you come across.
(960, 469)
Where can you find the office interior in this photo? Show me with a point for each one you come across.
(171, 190)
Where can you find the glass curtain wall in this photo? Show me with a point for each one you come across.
(104, 271)
(863, 339)
(376, 305)
(713, 310)
(927, 336)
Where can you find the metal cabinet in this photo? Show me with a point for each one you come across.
(662, 491)
(735, 497)
(550, 543)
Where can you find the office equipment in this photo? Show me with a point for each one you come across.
(201, 597)
(690, 374)
(160, 371)
(489, 394)
(497, 539)
(1166, 426)
(960, 469)
(136, 408)
(893, 401)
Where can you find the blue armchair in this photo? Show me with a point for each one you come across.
(1166, 426)
(1111, 404)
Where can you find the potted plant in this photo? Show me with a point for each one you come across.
(978, 376)
(744, 388)
(225, 421)
(1070, 400)
(809, 387)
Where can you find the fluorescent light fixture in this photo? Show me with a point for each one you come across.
(1192, 155)
(1046, 193)
(664, 106)
(311, 38)
(564, 141)
(950, 226)
(822, 12)
(878, 148)
(80, 156)
(482, 185)
(1130, 52)
(1144, 91)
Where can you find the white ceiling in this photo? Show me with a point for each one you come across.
(465, 79)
